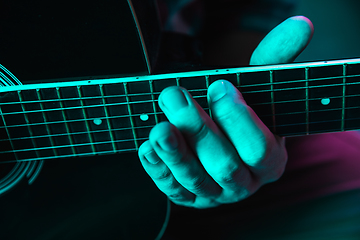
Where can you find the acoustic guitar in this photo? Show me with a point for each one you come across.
(68, 161)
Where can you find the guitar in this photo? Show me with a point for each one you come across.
(115, 115)
(59, 137)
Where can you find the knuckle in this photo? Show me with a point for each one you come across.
(229, 176)
(225, 178)
(162, 175)
(234, 196)
(197, 184)
(181, 196)
(198, 132)
(178, 197)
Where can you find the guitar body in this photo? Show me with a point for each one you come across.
(97, 197)
(85, 198)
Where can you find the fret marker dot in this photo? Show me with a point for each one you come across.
(325, 101)
(144, 117)
(97, 121)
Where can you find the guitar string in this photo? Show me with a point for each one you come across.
(109, 142)
(148, 126)
(160, 113)
(205, 89)
(132, 139)
(156, 100)
(198, 90)
(194, 90)
(195, 97)
(65, 156)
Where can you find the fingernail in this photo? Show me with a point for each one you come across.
(217, 91)
(173, 99)
(169, 143)
(151, 158)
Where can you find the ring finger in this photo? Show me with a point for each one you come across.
(170, 146)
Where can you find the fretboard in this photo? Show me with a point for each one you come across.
(80, 118)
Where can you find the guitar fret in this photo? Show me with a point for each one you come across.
(65, 122)
(130, 116)
(207, 86)
(28, 122)
(153, 100)
(238, 79)
(45, 122)
(343, 99)
(8, 133)
(271, 72)
(107, 118)
(86, 122)
(307, 99)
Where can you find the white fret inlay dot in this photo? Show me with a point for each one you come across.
(97, 121)
(325, 101)
(144, 117)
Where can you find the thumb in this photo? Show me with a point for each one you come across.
(284, 43)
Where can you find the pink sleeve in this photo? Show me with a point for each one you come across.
(318, 165)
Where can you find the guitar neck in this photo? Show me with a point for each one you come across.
(80, 118)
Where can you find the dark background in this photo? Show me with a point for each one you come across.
(68, 39)
(337, 29)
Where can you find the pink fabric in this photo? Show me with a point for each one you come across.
(318, 165)
(335, 158)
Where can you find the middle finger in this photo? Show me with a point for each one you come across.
(213, 149)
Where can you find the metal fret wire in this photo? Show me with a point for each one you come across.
(343, 98)
(131, 117)
(272, 100)
(307, 99)
(153, 100)
(86, 122)
(28, 125)
(45, 121)
(66, 122)
(107, 119)
(207, 86)
(7, 131)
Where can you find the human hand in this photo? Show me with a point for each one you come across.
(202, 163)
